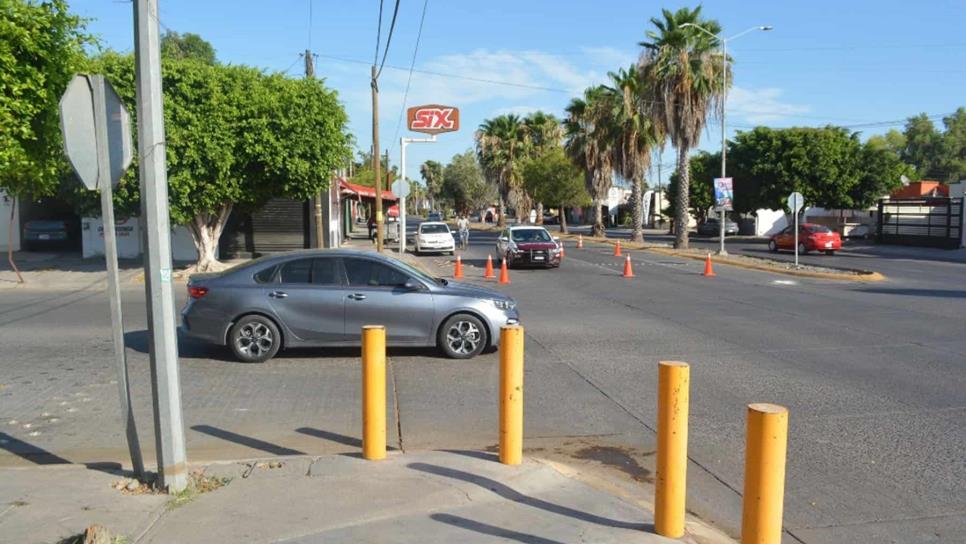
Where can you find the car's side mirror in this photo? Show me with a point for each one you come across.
(411, 285)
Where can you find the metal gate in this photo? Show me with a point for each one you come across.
(929, 222)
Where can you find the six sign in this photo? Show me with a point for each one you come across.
(433, 118)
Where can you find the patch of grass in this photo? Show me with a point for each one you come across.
(198, 483)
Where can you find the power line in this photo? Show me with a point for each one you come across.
(375, 56)
(412, 64)
(392, 27)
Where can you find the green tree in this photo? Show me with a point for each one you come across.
(684, 69)
(463, 185)
(237, 137)
(953, 160)
(187, 46)
(543, 132)
(894, 141)
(363, 174)
(923, 147)
(500, 148)
(703, 169)
(432, 174)
(588, 143)
(552, 177)
(41, 44)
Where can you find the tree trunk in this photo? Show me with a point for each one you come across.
(681, 202)
(206, 230)
(501, 213)
(13, 265)
(563, 218)
(598, 229)
(539, 213)
(637, 209)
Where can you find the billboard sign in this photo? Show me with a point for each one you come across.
(433, 119)
(723, 193)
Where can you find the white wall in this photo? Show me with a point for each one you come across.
(129, 239)
(768, 222)
(6, 202)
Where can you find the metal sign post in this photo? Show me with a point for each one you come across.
(97, 140)
(403, 189)
(795, 202)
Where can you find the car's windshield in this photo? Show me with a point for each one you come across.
(530, 235)
(818, 229)
(433, 229)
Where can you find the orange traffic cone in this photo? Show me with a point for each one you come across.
(458, 273)
(617, 249)
(708, 271)
(580, 241)
(504, 275)
(628, 272)
(488, 273)
(562, 252)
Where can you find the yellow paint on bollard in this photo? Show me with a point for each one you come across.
(511, 395)
(765, 446)
(673, 397)
(373, 392)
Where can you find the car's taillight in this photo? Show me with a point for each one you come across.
(197, 292)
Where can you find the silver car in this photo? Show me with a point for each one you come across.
(324, 297)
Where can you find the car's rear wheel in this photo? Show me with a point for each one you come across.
(802, 249)
(462, 336)
(772, 246)
(254, 339)
(830, 252)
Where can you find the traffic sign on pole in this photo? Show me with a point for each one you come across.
(97, 140)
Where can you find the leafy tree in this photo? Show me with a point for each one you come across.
(684, 69)
(703, 167)
(552, 177)
(463, 183)
(187, 46)
(432, 174)
(880, 173)
(41, 44)
(501, 148)
(893, 141)
(923, 147)
(236, 138)
(589, 145)
(542, 132)
(363, 174)
(954, 147)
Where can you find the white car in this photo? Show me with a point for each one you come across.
(434, 236)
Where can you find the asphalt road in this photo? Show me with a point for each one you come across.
(874, 376)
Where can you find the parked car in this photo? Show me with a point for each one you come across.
(45, 233)
(811, 237)
(712, 227)
(434, 236)
(434, 216)
(528, 245)
(320, 298)
(551, 220)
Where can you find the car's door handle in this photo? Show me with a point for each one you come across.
(278, 294)
(357, 296)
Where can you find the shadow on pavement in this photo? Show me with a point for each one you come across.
(248, 441)
(332, 437)
(511, 494)
(938, 293)
(491, 530)
(484, 455)
(40, 456)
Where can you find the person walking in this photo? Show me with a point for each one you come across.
(371, 223)
(463, 226)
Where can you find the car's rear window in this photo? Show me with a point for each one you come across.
(530, 235)
(267, 275)
(433, 229)
(821, 229)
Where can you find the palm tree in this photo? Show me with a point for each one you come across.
(588, 144)
(432, 173)
(500, 146)
(634, 133)
(683, 69)
(543, 133)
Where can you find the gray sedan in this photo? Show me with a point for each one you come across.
(324, 297)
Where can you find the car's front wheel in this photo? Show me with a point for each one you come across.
(254, 339)
(462, 336)
(772, 246)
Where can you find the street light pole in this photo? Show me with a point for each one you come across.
(724, 102)
(403, 142)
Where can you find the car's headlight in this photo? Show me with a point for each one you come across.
(503, 304)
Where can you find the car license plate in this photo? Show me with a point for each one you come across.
(538, 257)
(44, 236)
(828, 244)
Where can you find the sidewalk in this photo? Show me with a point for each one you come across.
(437, 496)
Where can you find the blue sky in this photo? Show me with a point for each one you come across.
(865, 64)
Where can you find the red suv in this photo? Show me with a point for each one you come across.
(811, 237)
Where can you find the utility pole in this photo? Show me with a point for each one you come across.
(319, 233)
(163, 342)
(375, 157)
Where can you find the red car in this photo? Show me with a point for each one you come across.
(811, 237)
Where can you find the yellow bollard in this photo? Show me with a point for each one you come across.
(373, 392)
(673, 379)
(761, 516)
(511, 395)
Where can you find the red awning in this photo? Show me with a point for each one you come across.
(363, 191)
